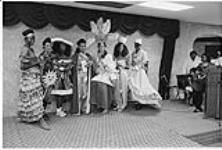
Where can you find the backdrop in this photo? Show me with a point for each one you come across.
(38, 15)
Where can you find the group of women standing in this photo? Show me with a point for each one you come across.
(90, 84)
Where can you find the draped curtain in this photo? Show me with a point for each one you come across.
(38, 15)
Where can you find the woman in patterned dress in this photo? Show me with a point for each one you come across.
(30, 106)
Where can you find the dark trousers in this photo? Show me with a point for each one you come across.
(45, 103)
(59, 101)
(197, 99)
(47, 97)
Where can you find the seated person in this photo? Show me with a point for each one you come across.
(189, 89)
(198, 88)
(102, 83)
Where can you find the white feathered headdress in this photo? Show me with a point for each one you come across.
(100, 31)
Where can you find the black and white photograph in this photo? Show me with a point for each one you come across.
(111, 74)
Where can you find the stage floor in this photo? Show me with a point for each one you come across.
(144, 128)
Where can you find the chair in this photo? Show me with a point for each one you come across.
(182, 82)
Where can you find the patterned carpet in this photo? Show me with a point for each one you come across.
(114, 130)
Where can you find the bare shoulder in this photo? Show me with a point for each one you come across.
(23, 50)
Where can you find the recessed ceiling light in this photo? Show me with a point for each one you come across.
(165, 5)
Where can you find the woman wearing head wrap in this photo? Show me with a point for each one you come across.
(140, 87)
(30, 107)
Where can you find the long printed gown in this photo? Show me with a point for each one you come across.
(141, 89)
(30, 105)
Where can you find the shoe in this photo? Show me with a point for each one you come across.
(138, 107)
(104, 111)
(44, 125)
(115, 108)
(77, 114)
(200, 109)
(196, 110)
(120, 110)
(60, 113)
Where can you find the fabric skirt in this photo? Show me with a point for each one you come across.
(141, 89)
(30, 105)
(101, 95)
(121, 89)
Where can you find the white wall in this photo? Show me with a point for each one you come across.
(184, 44)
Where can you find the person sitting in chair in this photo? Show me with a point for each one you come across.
(198, 88)
(102, 82)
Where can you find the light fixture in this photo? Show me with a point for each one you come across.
(158, 4)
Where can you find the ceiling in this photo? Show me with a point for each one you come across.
(203, 12)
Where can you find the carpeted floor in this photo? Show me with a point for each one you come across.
(114, 130)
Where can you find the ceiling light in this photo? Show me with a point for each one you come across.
(165, 5)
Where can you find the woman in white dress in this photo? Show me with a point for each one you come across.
(121, 56)
(140, 87)
(102, 83)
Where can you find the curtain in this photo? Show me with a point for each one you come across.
(166, 66)
(38, 15)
